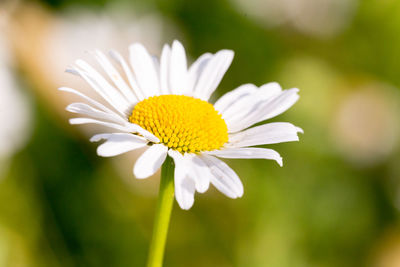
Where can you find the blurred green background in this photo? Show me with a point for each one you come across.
(336, 200)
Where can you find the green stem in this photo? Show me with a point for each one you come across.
(163, 214)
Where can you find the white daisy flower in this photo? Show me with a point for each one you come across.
(163, 105)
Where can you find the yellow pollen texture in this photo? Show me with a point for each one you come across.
(183, 123)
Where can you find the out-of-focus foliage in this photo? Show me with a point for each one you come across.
(334, 203)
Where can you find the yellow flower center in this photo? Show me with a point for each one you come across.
(183, 123)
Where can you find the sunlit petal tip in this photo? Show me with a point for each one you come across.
(98, 137)
(73, 121)
(166, 46)
(185, 194)
(187, 205)
(274, 84)
(69, 108)
(227, 52)
(177, 43)
(295, 90)
(137, 46)
(228, 56)
(299, 130)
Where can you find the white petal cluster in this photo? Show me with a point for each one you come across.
(144, 76)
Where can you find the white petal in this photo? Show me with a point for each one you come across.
(245, 104)
(196, 169)
(231, 98)
(281, 103)
(184, 190)
(90, 100)
(98, 89)
(119, 127)
(271, 133)
(269, 90)
(156, 66)
(128, 127)
(144, 69)
(177, 69)
(262, 111)
(202, 174)
(247, 153)
(251, 103)
(184, 185)
(213, 74)
(150, 161)
(115, 77)
(132, 81)
(224, 178)
(195, 71)
(118, 143)
(102, 86)
(164, 70)
(85, 109)
(134, 128)
(299, 130)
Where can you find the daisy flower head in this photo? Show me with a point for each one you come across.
(162, 104)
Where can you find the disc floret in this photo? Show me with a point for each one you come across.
(182, 123)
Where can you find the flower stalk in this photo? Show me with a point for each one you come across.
(163, 214)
